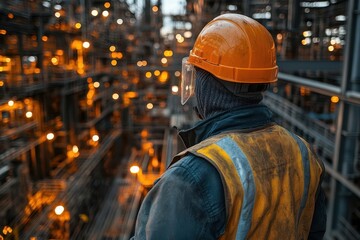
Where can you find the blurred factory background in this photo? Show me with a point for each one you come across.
(89, 97)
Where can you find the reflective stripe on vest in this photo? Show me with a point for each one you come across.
(270, 178)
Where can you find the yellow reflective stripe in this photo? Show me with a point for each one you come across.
(306, 170)
(233, 188)
(277, 172)
(247, 180)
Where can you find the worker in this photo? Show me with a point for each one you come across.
(242, 176)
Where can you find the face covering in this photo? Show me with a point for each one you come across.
(215, 96)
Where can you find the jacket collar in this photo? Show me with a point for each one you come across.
(241, 118)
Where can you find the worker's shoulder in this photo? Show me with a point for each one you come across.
(203, 172)
(195, 165)
(205, 178)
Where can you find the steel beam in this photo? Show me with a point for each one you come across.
(347, 121)
(313, 85)
(349, 96)
(318, 65)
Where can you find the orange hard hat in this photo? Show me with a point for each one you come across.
(236, 48)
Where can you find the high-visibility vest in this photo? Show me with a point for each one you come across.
(270, 178)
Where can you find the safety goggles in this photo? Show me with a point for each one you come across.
(187, 80)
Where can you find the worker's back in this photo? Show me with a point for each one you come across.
(270, 177)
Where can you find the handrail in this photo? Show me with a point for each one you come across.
(322, 88)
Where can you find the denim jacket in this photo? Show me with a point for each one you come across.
(188, 201)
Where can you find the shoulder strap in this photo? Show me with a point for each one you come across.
(233, 190)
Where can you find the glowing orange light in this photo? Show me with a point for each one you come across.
(78, 25)
(113, 62)
(163, 77)
(149, 106)
(86, 44)
(95, 138)
(168, 53)
(59, 52)
(1, 83)
(6, 230)
(10, 15)
(144, 133)
(157, 73)
(181, 40)
(155, 9)
(50, 136)
(134, 169)
(11, 103)
(131, 94)
(59, 210)
(175, 89)
(112, 48)
(55, 61)
(28, 114)
(151, 151)
(105, 13)
(96, 84)
(307, 34)
(148, 74)
(94, 12)
(164, 60)
(107, 5)
(334, 99)
(187, 34)
(155, 162)
(115, 96)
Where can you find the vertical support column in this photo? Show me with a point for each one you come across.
(83, 20)
(44, 161)
(147, 11)
(33, 164)
(68, 113)
(40, 63)
(246, 8)
(65, 113)
(21, 50)
(293, 26)
(347, 123)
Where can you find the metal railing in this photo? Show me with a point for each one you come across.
(75, 184)
(316, 132)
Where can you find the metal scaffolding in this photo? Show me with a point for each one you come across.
(90, 88)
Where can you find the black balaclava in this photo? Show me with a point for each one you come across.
(216, 96)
